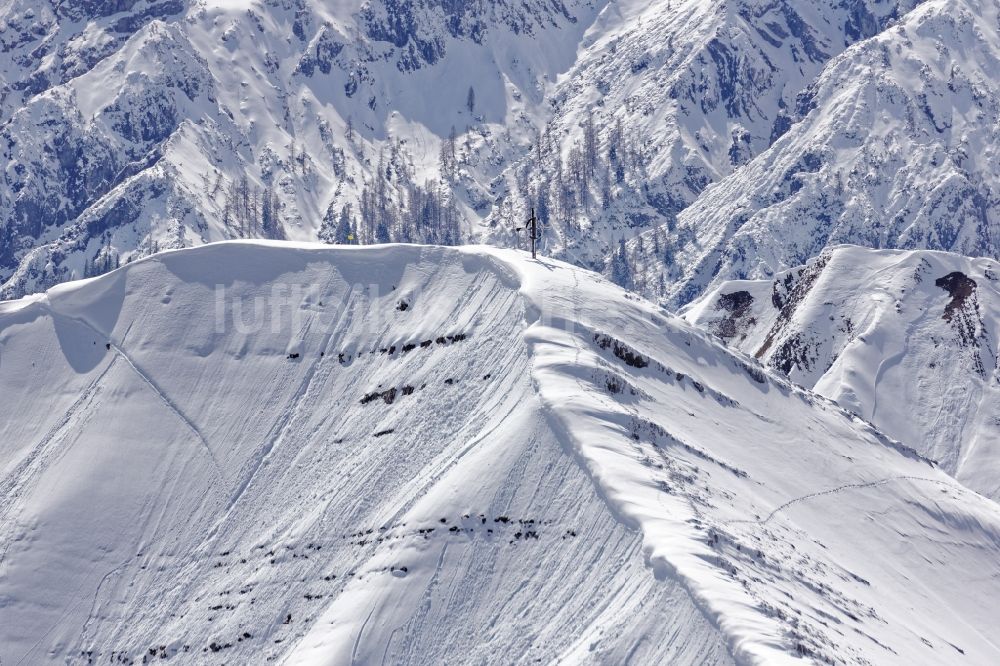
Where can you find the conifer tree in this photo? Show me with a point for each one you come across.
(621, 271)
(590, 147)
(344, 234)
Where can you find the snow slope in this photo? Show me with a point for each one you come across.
(407, 454)
(907, 340)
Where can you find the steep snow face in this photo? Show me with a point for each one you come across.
(907, 340)
(344, 443)
(895, 150)
(417, 455)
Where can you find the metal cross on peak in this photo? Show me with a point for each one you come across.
(532, 226)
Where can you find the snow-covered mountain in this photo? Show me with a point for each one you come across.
(264, 452)
(133, 126)
(281, 452)
(895, 148)
(680, 95)
(907, 340)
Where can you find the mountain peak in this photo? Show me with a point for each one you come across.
(299, 463)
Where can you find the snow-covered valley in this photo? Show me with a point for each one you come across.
(275, 452)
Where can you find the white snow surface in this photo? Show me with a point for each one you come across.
(880, 332)
(189, 468)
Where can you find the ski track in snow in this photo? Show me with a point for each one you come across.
(361, 633)
(273, 439)
(833, 491)
(39, 453)
(79, 600)
(173, 408)
(148, 380)
(889, 363)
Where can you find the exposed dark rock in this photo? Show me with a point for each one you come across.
(960, 287)
(737, 307)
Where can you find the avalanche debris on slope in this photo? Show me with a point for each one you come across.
(188, 469)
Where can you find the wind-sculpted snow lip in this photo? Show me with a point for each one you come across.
(319, 502)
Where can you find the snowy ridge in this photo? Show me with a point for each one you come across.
(907, 340)
(389, 454)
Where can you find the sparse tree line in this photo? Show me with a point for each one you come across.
(394, 208)
(249, 211)
(594, 174)
(574, 183)
(632, 265)
(107, 259)
(604, 165)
